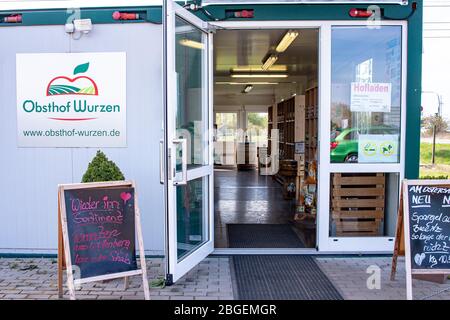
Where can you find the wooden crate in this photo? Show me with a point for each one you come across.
(358, 203)
(288, 168)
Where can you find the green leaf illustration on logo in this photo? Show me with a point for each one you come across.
(81, 68)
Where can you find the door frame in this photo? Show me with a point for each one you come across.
(326, 244)
(175, 267)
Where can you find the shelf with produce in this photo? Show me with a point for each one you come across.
(307, 184)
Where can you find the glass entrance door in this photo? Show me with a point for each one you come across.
(363, 119)
(187, 148)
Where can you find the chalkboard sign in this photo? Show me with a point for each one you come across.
(423, 230)
(100, 223)
(101, 230)
(429, 226)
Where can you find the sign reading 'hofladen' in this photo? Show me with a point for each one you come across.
(71, 99)
(370, 97)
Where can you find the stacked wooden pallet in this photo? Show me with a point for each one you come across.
(358, 203)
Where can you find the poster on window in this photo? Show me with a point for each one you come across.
(370, 97)
(378, 148)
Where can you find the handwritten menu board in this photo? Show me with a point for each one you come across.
(101, 230)
(429, 226)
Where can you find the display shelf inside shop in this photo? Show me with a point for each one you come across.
(311, 118)
(288, 117)
(307, 183)
(270, 126)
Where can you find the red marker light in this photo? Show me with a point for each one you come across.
(125, 16)
(244, 14)
(360, 13)
(17, 18)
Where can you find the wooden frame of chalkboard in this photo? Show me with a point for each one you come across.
(64, 243)
(403, 233)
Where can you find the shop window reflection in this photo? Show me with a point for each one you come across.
(365, 95)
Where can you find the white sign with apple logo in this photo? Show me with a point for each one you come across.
(71, 99)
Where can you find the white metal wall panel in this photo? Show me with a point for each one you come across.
(31, 175)
(140, 160)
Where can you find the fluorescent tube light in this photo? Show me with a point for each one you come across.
(259, 75)
(256, 68)
(247, 88)
(244, 83)
(191, 44)
(288, 38)
(269, 61)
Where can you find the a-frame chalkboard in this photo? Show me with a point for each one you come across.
(98, 227)
(423, 229)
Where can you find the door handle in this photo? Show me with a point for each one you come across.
(183, 180)
(161, 161)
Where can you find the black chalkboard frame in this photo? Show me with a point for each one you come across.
(406, 229)
(62, 215)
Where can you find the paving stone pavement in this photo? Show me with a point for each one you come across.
(350, 277)
(211, 280)
(36, 279)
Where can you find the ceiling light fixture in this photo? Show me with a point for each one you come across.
(245, 83)
(259, 75)
(256, 68)
(288, 38)
(191, 44)
(269, 61)
(247, 88)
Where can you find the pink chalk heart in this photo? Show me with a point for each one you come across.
(125, 196)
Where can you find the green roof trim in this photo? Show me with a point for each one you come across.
(97, 15)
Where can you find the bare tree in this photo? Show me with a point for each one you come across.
(434, 122)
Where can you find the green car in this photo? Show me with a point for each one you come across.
(344, 148)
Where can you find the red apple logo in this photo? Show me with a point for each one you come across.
(80, 85)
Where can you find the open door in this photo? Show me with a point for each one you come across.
(187, 147)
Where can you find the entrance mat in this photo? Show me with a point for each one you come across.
(262, 236)
(281, 277)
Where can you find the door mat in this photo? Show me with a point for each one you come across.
(281, 277)
(262, 236)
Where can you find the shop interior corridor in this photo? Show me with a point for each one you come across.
(248, 202)
(265, 139)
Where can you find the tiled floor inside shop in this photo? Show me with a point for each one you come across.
(211, 279)
(248, 198)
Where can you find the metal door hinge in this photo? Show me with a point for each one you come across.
(211, 28)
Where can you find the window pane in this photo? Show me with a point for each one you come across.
(192, 222)
(364, 204)
(225, 130)
(226, 126)
(192, 87)
(257, 123)
(365, 94)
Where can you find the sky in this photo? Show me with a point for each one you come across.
(436, 56)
